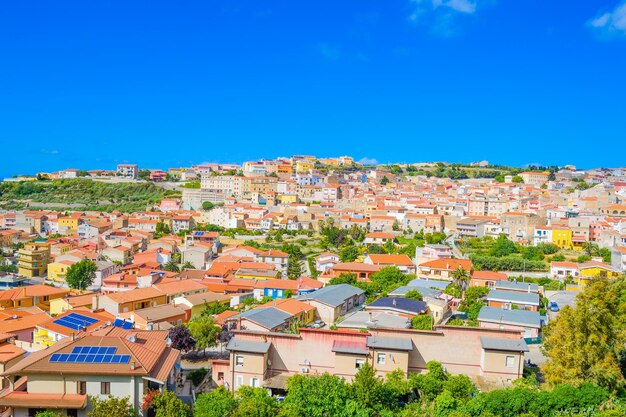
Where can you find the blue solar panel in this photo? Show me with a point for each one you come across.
(83, 354)
(75, 321)
(127, 325)
(118, 322)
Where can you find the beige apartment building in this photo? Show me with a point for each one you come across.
(534, 177)
(229, 185)
(267, 360)
(520, 227)
(487, 206)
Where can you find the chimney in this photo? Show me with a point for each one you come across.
(394, 302)
(132, 365)
(528, 288)
(370, 317)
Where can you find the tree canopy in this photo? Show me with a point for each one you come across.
(81, 274)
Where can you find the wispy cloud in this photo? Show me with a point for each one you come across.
(441, 15)
(368, 161)
(50, 151)
(328, 51)
(611, 24)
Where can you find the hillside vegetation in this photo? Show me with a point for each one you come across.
(81, 194)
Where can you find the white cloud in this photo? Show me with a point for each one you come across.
(441, 15)
(460, 6)
(463, 6)
(368, 161)
(50, 152)
(611, 23)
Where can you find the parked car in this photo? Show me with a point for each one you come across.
(554, 306)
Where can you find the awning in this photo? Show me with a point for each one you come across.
(276, 382)
(23, 399)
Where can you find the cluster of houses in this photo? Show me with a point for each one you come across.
(59, 346)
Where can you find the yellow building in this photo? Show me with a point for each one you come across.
(33, 259)
(562, 238)
(68, 225)
(57, 270)
(591, 270)
(61, 305)
(302, 167)
(288, 198)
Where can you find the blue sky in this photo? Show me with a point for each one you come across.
(89, 84)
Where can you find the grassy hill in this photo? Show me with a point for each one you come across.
(81, 194)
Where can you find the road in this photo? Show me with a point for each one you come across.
(562, 298)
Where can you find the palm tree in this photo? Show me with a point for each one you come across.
(461, 277)
(187, 265)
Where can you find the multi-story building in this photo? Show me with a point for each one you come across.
(127, 171)
(267, 359)
(68, 374)
(534, 177)
(33, 259)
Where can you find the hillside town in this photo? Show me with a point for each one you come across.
(248, 275)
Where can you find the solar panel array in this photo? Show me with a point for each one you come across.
(198, 234)
(75, 321)
(124, 324)
(90, 354)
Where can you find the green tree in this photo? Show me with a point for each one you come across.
(111, 407)
(167, 404)
(502, 247)
(294, 267)
(461, 277)
(584, 342)
(388, 278)
(255, 402)
(187, 265)
(207, 205)
(49, 413)
(349, 253)
(460, 386)
(217, 403)
(422, 322)
(517, 179)
(384, 180)
(81, 274)
(171, 266)
(414, 295)
(367, 389)
(204, 331)
(315, 396)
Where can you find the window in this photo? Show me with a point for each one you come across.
(254, 382)
(510, 361)
(380, 358)
(359, 363)
(82, 387)
(105, 388)
(239, 360)
(238, 381)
